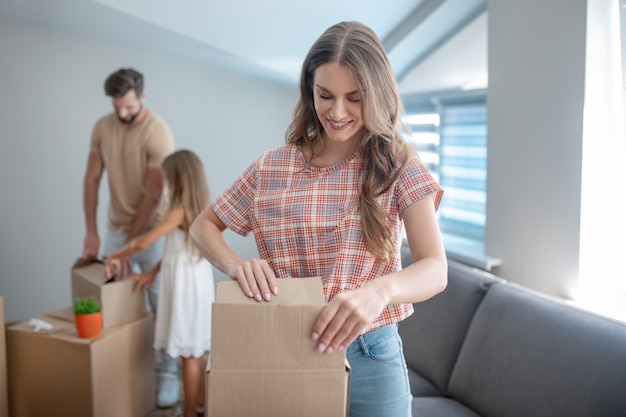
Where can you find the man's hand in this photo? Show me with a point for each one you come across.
(91, 246)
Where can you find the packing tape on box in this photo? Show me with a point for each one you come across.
(39, 324)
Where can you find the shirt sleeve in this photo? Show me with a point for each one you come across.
(96, 137)
(233, 205)
(416, 183)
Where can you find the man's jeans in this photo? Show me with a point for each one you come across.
(142, 262)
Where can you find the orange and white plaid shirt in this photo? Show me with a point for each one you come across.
(306, 222)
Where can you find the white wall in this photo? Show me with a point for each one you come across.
(535, 115)
(52, 93)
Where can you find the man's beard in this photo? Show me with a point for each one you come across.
(132, 118)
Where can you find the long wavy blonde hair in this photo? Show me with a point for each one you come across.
(188, 187)
(357, 47)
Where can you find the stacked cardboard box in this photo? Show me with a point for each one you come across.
(4, 397)
(53, 372)
(263, 361)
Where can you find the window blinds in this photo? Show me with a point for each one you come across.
(450, 135)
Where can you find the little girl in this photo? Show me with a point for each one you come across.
(183, 320)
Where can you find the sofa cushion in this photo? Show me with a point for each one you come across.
(440, 407)
(527, 354)
(421, 386)
(433, 335)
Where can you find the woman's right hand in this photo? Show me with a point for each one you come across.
(256, 279)
(255, 276)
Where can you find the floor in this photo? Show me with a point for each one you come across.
(157, 412)
(166, 412)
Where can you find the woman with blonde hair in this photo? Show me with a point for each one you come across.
(183, 321)
(331, 202)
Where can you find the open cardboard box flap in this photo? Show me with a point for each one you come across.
(253, 335)
(263, 361)
(291, 292)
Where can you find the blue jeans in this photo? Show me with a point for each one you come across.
(379, 382)
(142, 262)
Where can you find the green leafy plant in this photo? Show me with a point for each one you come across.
(86, 305)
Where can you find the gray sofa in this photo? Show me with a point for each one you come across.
(486, 347)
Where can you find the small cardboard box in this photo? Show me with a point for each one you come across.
(263, 361)
(4, 396)
(56, 373)
(65, 314)
(120, 304)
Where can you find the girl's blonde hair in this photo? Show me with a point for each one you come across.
(187, 186)
(357, 47)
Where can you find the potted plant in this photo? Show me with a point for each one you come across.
(88, 317)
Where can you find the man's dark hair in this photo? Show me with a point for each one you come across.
(122, 81)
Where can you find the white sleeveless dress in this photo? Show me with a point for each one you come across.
(186, 294)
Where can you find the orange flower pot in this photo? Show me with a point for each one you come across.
(88, 326)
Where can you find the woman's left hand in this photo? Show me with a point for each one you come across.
(347, 316)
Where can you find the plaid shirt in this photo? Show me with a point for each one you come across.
(306, 221)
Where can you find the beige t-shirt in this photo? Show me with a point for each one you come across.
(127, 154)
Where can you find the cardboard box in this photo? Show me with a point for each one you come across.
(4, 396)
(120, 304)
(56, 373)
(263, 361)
(65, 314)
